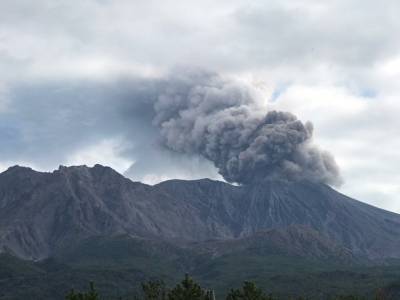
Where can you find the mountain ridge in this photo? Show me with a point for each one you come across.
(41, 212)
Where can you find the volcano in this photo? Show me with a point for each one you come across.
(41, 213)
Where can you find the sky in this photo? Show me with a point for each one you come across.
(76, 78)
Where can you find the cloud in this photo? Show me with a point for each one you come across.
(156, 165)
(45, 123)
(91, 121)
(80, 39)
(360, 131)
(192, 113)
(105, 152)
(4, 98)
(334, 63)
(220, 121)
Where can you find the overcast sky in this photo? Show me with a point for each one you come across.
(73, 76)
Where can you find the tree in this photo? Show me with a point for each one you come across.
(90, 295)
(188, 289)
(154, 290)
(249, 291)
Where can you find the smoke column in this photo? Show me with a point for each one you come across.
(220, 120)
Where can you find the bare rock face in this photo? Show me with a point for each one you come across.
(296, 240)
(42, 212)
(366, 230)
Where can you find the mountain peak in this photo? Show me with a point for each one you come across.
(86, 170)
(19, 171)
(83, 167)
(79, 201)
(18, 168)
(74, 169)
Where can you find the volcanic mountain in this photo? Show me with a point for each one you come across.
(41, 213)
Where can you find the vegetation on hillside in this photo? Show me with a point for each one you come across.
(121, 269)
(188, 289)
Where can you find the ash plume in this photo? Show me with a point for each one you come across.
(221, 121)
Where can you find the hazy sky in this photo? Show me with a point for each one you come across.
(73, 75)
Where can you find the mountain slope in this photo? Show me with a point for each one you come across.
(366, 230)
(293, 241)
(43, 212)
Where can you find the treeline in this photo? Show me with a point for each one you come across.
(188, 289)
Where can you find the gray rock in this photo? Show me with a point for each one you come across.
(43, 212)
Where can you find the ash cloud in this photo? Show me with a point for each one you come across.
(179, 125)
(221, 121)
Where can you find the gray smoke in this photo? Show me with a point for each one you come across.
(196, 114)
(220, 120)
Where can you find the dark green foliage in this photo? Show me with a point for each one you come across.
(154, 290)
(249, 291)
(188, 289)
(350, 297)
(283, 277)
(89, 295)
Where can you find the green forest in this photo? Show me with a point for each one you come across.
(189, 289)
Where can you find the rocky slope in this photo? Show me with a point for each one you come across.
(42, 212)
(364, 229)
(293, 241)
